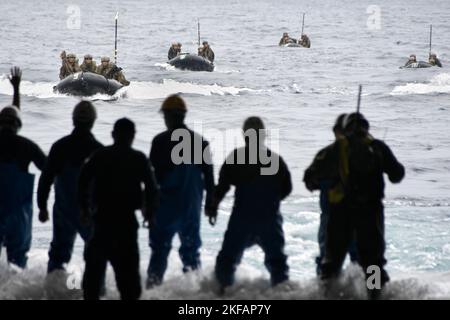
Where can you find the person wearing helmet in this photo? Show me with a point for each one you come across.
(183, 169)
(65, 159)
(262, 180)
(355, 166)
(110, 71)
(173, 51)
(110, 191)
(304, 41)
(285, 39)
(324, 186)
(434, 61)
(88, 64)
(207, 52)
(69, 65)
(16, 186)
(200, 51)
(412, 59)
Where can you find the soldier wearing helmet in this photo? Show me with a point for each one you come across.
(173, 51)
(412, 59)
(110, 71)
(286, 39)
(88, 64)
(207, 52)
(304, 41)
(65, 159)
(434, 61)
(16, 185)
(69, 65)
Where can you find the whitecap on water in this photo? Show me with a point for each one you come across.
(151, 90)
(33, 283)
(438, 84)
(136, 90)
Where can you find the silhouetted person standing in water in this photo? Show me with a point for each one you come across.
(183, 169)
(325, 185)
(16, 183)
(356, 165)
(115, 173)
(65, 159)
(262, 181)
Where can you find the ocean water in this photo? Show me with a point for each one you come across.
(297, 92)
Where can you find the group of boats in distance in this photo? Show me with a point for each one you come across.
(89, 83)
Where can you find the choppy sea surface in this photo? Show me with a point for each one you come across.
(298, 92)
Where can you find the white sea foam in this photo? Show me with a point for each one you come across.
(438, 84)
(137, 90)
(250, 284)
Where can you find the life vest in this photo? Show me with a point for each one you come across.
(359, 164)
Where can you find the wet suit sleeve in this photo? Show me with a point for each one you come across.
(391, 166)
(323, 167)
(46, 179)
(224, 184)
(38, 157)
(155, 156)
(151, 188)
(208, 174)
(286, 181)
(86, 175)
(16, 97)
(311, 175)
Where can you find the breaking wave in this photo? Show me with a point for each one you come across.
(252, 284)
(438, 84)
(137, 90)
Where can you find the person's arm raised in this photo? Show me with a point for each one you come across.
(15, 78)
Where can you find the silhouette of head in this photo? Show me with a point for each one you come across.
(338, 127)
(356, 124)
(174, 110)
(10, 119)
(123, 132)
(84, 115)
(254, 131)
